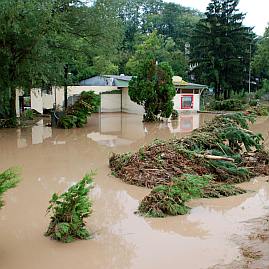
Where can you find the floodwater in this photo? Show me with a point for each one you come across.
(53, 159)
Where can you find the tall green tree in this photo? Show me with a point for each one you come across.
(220, 48)
(153, 88)
(162, 50)
(42, 41)
(260, 62)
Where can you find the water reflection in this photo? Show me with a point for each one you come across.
(111, 130)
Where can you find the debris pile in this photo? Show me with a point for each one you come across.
(225, 149)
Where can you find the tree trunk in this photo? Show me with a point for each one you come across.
(12, 102)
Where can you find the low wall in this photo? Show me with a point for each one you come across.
(110, 102)
(128, 105)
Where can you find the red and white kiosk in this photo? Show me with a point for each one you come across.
(188, 95)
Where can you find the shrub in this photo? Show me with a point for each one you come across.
(67, 122)
(8, 179)
(253, 102)
(174, 115)
(227, 105)
(76, 115)
(9, 123)
(69, 211)
(28, 114)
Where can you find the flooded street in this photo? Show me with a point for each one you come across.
(51, 160)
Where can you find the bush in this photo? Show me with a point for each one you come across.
(8, 179)
(253, 102)
(76, 115)
(69, 211)
(67, 122)
(174, 115)
(227, 105)
(264, 90)
(28, 114)
(9, 123)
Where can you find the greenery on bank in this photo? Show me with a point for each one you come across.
(68, 211)
(77, 114)
(8, 179)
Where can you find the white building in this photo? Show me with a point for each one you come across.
(114, 95)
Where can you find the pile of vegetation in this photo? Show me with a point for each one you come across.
(69, 211)
(225, 149)
(170, 199)
(76, 115)
(8, 179)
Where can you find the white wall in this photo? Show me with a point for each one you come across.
(110, 102)
(128, 105)
(18, 94)
(48, 101)
(36, 100)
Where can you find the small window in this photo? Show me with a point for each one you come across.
(187, 102)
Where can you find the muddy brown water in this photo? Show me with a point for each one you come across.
(52, 160)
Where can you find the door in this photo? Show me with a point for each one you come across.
(187, 102)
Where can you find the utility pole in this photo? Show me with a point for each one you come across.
(249, 72)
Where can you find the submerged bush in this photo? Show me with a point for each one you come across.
(174, 115)
(69, 211)
(9, 123)
(28, 114)
(76, 115)
(8, 179)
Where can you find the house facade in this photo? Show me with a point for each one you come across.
(113, 91)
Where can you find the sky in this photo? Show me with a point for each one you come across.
(257, 11)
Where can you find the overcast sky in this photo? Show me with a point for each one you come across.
(257, 11)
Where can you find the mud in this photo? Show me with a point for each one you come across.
(53, 159)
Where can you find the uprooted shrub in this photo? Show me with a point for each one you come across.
(171, 199)
(225, 149)
(69, 211)
(8, 179)
(77, 114)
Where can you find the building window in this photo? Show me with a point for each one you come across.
(187, 102)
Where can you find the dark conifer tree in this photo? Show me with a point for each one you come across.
(220, 48)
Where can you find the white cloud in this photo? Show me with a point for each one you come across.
(256, 11)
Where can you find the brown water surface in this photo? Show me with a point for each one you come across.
(54, 159)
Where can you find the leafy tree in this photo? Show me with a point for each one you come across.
(220, 48)
(41, 41)
(153, 88)
(69, 211)
(176, 22)
(260, 62)
(155, 46)
(139, 18)
(8, 179)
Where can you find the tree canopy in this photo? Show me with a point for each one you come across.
(220, 48)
